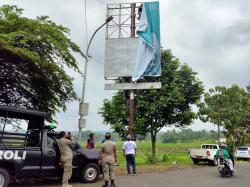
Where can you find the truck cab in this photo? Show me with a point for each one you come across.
(33, 152)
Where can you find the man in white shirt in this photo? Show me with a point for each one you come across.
(129, 151)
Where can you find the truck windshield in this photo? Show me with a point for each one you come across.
(209, 147)
(20, 119)
(242, 148)
(13, 125)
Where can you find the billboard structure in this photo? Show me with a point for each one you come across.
(132, 49)
(121, 40)
(133, 41)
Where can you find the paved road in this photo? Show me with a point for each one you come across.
(206, 176)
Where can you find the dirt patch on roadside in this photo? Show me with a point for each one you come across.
(121, 170)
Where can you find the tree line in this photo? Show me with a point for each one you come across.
(187, 135)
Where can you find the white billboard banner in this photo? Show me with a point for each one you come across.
(120, 57)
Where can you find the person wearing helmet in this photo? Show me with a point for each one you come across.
(223, 153)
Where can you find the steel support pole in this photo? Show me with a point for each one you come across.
(131, 113)
(132, 27)
(132, 95)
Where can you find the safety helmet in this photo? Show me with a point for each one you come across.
(222, 146)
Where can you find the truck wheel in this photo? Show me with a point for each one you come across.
(90, 173)
(195, 161)
(4, 178)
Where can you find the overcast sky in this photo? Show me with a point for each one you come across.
(211, 36)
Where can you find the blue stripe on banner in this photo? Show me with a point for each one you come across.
(149, 53)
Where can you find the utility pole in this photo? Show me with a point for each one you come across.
(84, 107)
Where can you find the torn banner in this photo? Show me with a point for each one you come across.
(148, 60)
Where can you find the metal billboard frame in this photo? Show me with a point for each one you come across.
(125, 18)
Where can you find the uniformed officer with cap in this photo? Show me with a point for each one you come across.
(108, 157)
(65, 145)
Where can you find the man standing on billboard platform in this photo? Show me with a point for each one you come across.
(65, 145)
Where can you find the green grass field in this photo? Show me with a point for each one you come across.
(167, 153)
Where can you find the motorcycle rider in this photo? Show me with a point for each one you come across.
(223, 153)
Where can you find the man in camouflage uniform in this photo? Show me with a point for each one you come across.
(65, 145)
(108, 158)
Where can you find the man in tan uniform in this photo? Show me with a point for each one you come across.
(108, 158)
(65, 145)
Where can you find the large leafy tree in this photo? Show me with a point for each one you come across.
(230, 108)
(33, 57)
(212, 109)
(154, 109)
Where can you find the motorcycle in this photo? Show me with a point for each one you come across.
(224, 169)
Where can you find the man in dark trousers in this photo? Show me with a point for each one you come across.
(65, 145)
(129, 151)
(108, 157)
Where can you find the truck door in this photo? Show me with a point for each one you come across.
(30, 165)
(50, 157)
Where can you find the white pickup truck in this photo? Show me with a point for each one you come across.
(206, 153)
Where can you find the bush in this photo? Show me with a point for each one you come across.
(148, 158)
(167, 158)
(160, 158)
